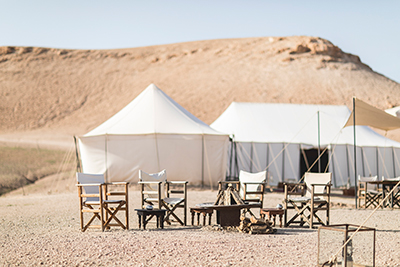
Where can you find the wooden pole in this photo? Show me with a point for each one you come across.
(319, 146)
(355, 150)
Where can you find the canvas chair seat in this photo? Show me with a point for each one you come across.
(173, 201)
(94, 197)
(156, 190)
(91, 203)
(307, 199)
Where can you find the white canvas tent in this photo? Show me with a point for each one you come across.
(280, 136)
(153, 133)
(394, 111)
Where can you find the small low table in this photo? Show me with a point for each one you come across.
(272, 212)
(143, 213)
(201, 210)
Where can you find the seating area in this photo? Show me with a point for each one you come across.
(103, 205)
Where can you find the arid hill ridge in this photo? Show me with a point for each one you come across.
(69, 92)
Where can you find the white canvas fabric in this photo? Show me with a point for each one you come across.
(86, 178)
(369, 179)
(371, 116)
(251, 177)
(273, 135)
(152, 133)
(394, 111)
(154, 177)
(316, 178)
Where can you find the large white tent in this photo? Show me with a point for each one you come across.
(153, 133)
(280, 137)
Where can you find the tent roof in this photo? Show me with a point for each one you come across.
(152, 111)
(294, 123)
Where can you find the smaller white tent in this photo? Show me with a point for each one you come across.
(394, 111)
(279, 136)
(153, 133)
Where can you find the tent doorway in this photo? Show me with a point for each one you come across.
(307, 158)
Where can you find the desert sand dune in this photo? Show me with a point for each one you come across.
(51, 94)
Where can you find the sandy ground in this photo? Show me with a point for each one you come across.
(43, 229)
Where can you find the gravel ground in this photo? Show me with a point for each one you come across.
(41, 229)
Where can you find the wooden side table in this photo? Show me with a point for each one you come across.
(143, 213)
(272, 212)
(201, 210)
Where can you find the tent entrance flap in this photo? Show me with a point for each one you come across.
(307, 159)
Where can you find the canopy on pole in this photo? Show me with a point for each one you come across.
(365, 114)
(371, 116)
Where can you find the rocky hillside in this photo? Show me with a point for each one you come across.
(54, 92)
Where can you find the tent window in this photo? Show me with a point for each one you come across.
(311, 156)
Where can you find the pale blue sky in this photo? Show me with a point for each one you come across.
(369, 29)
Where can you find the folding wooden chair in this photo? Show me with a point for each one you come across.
(370, 193)
(95, 198)
(156, 190)
(307, 198)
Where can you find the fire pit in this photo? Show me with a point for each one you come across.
(229, 205)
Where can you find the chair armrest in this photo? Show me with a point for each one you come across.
(322, 184)
(285, 183)
(89, 184)
(255, 183)
(228, 182)
(177, 182)
(117, 183)
(145, 182)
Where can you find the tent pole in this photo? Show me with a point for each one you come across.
(355, 150)
(283, 162)
(230, 162)
(394, 163)
(78, 161)
(202, 162)
(236, 161)
(319, 146)
(106, 152)
(251, 156)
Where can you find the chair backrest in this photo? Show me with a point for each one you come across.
(154, 177)
(363, 179)
(367, 179)
(87, 178)
(311, 178)
(245, 177)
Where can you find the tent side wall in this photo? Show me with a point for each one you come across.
(181, 155)
(283, 165)
(281, 160)
(92, 154)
